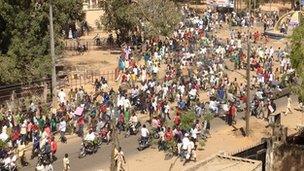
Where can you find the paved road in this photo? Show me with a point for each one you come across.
(102, 158)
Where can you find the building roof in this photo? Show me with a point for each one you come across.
(226, 163)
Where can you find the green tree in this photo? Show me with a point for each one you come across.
(187, 120)
(297, 56)
(154, 18)
(24, 36)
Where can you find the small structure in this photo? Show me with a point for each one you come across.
(285, 25)
(226, 163)
(91, 4)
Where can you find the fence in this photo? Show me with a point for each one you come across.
(41, 88)
(37, 88)
(79, 79)
(76, 45)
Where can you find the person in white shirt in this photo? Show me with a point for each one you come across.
(10, 161)
(4, 136)
(126, 104)
(133, 122)
(62, 96)
(134, 119)
(185, 142)
(144, 133)
(192, 93)
(90, 136)
(62, 129)
(213, 105)
(194, 133)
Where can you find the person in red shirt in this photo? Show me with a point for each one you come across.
(231, 114)
(259, 70)
(35, 128)
(121, 122)
(53, 147)
(29, 131)
(80, 124)
(15, 136)
(168, 135)
(177, 119)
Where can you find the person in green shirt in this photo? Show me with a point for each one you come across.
(41, 123)
(53, 124)
(127, 116)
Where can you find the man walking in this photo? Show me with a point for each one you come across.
(288, 107)
(62, 129)
(119, 159)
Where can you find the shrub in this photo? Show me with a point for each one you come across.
(187, 120)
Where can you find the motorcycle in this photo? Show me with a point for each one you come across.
(155, 133)
(8, 166)
(103, 137)
(143, 143)
(132, 129)
(44, 159)
(87, 148)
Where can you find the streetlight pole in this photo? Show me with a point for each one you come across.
(52, 43)
(248, 74)
(115, 142)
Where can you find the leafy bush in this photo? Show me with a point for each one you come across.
(208, 116)
(2, 144)
(187, 120)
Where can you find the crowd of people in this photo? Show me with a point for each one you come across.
(166, 85)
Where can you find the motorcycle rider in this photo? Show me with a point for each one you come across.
(106, 133)
(10, 161)
(46, 150)
(144, 133)
(133, 122)
(36, 144)
(90, 137)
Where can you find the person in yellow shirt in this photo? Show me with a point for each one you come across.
(21, 154)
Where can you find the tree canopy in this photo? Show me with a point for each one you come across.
(297, 56)
(25, 39)
(157, 17)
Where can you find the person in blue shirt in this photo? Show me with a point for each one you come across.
(36, 144)
(182, 105)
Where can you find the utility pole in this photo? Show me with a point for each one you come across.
(115, 142)
(248, 73)
(52, 42)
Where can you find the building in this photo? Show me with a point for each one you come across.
(91, 4)
(226, 163)
(93, 12)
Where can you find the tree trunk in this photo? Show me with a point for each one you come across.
(45, 91)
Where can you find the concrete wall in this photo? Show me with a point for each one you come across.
(288, 158)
